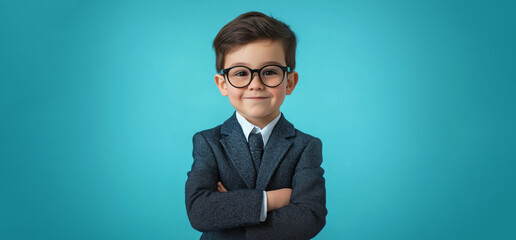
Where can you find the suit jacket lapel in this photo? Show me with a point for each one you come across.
(237, 150)
(276, 148)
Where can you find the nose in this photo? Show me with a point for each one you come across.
(255, 82)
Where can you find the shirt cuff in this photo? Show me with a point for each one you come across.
(263, 212)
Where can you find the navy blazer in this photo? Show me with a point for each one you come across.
(291, 159)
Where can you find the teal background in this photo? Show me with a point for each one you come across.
(414, 102)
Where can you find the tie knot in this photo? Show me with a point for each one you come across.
(256, 148)
(256, 141)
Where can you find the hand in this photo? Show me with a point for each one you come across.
(221, 187)
(278, 198)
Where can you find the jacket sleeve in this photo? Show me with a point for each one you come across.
(305, 217)
(210, 210)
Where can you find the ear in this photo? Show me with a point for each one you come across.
(222, 84)
(291, 82)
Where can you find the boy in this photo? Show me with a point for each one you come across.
(256, 176)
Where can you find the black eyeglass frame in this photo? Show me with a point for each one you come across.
(284, 68)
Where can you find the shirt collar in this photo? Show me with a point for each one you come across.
(249, 128)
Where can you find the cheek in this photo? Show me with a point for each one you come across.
(279, 94)
(234, 95)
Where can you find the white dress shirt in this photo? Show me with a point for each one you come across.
(249, 128)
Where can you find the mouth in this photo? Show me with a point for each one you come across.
(255, 98)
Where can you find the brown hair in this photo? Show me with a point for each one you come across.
(250, 27)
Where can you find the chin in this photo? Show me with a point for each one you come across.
(263, 115)
(255, 114)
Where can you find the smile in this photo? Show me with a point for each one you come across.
(255, 98)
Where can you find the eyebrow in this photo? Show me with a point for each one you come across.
(263, 64)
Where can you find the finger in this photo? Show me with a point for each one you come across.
(218, 187)
(222, 188)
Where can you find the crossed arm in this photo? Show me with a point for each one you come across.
(275, 198)
(297, 213)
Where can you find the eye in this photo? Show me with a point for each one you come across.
(269, 72)
(241, 73)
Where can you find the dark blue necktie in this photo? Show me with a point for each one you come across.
(256, 148)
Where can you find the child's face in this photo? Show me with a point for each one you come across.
(256, 102)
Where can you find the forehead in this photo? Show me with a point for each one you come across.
(256, 54)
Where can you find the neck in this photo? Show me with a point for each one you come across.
(261, 122)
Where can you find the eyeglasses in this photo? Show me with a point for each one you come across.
(241, 76)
